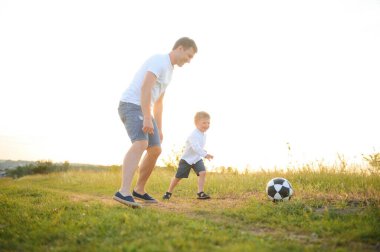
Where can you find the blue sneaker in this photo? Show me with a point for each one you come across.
(127, 200)
(145, 197)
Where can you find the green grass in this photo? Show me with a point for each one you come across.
(74, 211)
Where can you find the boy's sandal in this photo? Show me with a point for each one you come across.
(202, 195)
(167, 196)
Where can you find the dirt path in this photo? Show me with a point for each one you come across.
(203, 209)
(208, 209)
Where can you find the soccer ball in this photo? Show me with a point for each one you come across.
(279, 189)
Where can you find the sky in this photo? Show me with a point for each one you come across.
(285, 82)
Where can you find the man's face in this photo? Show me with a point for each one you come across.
(185, 55)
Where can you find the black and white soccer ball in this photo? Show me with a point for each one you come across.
(279, 189)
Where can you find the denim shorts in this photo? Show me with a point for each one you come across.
(132, 117)
(184, 168)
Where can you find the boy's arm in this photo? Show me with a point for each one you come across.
(198, 149)
(157, 113)
(146, 93)
(195, 145)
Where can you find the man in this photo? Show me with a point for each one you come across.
(144, 94)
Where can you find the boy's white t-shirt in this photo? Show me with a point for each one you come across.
(161, 66)
(194, 147)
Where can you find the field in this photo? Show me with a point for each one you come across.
(73, 211)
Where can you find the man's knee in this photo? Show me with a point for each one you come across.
(141, 145)
(154, 151)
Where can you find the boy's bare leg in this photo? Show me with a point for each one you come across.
(173, 184)
(130, 163)
(201, 181)
(146, 167)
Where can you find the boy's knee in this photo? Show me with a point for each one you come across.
(176, 180)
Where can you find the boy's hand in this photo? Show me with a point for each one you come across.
(209, 157)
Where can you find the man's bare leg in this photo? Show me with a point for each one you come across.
(130, 163)
(146, 167)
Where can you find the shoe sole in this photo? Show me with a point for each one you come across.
(128, 203)
(204, 198)
(136, 196)
(146, 201)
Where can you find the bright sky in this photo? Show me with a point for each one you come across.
(270, 73)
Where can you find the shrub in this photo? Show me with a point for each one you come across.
(172, 160)
(39, 167)
(374, 162)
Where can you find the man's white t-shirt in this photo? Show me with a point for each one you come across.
(161, 66)
(194, 147)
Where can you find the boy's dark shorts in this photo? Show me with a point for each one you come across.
(184, 168)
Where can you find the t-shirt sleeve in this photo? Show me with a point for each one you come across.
(155, 65)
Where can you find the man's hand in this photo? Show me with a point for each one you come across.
(148, 125)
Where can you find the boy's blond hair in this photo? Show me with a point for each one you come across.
(201, 115)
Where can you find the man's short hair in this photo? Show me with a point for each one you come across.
(186, 43)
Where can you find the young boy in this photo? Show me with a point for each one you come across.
(192, 156)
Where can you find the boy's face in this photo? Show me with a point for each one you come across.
(202, 124)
